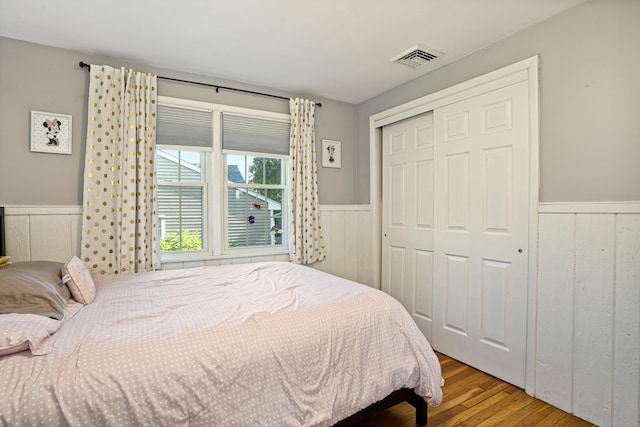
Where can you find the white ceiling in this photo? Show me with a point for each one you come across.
(337, 49)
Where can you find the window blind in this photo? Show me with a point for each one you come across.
(184, 126)
(250, 134)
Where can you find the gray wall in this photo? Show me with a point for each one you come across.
(589, 100)
(589, 109)
(36, 77)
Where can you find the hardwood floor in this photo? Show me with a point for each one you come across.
(473, 399)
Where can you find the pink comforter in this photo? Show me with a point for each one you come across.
(266, 344)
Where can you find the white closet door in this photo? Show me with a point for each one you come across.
(407, 216)
(481, 231)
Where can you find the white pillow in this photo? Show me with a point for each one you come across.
(19, 332)
(79, 281)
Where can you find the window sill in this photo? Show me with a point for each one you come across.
(204, 258)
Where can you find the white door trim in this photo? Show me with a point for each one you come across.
(525, 70)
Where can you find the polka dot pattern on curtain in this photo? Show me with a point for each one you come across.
(306, 244)
(119, 203)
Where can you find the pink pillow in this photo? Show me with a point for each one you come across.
(19, 332)
(79, 281)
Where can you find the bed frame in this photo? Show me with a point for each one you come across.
(398, 396)
(3, 249)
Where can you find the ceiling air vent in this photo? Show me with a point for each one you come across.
(416, 56)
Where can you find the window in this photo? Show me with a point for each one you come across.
(182, 193)
(221, 174)
(254, 205)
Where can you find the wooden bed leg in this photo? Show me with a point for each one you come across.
(421, 410)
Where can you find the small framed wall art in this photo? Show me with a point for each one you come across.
(331, 154)
(50, 132)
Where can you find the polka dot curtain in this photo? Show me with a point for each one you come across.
(306, 245)
(119, 206)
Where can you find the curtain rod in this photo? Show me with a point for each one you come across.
(217, 87)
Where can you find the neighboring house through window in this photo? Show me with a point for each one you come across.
(181, 199)
(221, 174)
(254, 209)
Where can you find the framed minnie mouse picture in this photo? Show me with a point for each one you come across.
(331, 154)
(50, 132)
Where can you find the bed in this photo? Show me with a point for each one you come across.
(263, 344)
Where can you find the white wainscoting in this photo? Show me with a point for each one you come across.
(53, 233)
(49, 233)
(589, 311)
(588, 316)
(347, 240)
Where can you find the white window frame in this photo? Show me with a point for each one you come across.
(285, 209)
(215, 243)
(205, 184)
